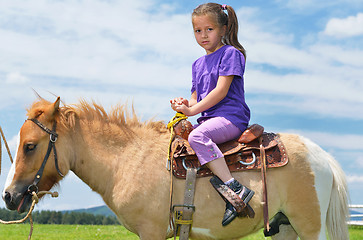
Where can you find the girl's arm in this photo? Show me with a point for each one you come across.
(214, 97)
(193, 99)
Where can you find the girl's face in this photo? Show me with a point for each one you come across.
(207, 33)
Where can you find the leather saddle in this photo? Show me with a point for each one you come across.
(240, 154)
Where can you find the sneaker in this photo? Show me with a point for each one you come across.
(243, 192)
(229, 215)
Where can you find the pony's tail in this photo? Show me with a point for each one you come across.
(336, 218)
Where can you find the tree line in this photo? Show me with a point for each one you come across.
(55, 217)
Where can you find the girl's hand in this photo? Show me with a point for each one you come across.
(178, 101)
(184, 109)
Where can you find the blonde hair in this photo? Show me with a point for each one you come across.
(228, 19)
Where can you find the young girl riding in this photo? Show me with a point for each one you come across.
(217, 93)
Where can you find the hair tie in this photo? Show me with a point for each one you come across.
(224, 7)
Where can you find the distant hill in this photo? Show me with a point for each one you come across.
(101, 210)
(355, 212)
(105, 211)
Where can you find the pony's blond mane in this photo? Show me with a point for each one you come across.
(118, 118)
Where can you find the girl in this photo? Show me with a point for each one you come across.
(217, 93)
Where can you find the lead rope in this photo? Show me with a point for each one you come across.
(7, 147)
(177, 118)
(35, 196)
(169, 165)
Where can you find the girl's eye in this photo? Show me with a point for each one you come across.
(29, 147)
(210, 29)
(197, 30)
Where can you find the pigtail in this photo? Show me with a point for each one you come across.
(231, 37)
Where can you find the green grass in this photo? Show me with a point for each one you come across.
(87, 232)
(66, 232)
(356, 233)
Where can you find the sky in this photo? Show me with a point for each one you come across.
(304, 70)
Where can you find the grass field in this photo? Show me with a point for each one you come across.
(87, 232)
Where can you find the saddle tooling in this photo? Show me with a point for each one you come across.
(254, 150)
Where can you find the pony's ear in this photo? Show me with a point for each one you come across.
(56, 104)
(52, 110)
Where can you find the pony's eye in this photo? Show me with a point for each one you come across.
(29, 148)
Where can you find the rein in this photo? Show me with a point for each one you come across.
(169, 166)
(53, 136)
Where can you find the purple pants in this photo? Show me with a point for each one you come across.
(207, 135)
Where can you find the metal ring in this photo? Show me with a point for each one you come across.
(53, 140)
(185, 166)
(253, 160)
(33, 188)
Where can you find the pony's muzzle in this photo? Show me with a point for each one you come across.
(11, 200)
(17, 198)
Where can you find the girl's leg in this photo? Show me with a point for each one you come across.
(204, 140)
(219, 168)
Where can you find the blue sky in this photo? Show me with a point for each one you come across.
(304, 71)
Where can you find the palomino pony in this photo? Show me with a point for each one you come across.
(123, 160)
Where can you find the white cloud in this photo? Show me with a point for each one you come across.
(309, 6)
(339, 141)
(319, 77)
(12, 143)
(350, 142)
(323, 93)
(96, 40)
(345, 27)
(16, 78)
(355, 179)
(341, 56)
(67, 51)
(359, 161)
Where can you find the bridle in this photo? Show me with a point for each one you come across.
(51, 146)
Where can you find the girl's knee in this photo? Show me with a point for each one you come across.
(195, 137)
(192, 137)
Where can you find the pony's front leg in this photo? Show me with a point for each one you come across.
(286, 233)
(152, 231)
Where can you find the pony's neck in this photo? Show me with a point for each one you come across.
(97, 161)
(114, 164)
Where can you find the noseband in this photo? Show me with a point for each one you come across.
(51, 146)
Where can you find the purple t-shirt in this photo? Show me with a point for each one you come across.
(226, 61)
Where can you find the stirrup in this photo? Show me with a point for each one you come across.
(245, 193)
(228, 195)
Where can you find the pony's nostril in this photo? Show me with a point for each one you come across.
(7, 197)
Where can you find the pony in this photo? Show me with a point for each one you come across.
(123, 159)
